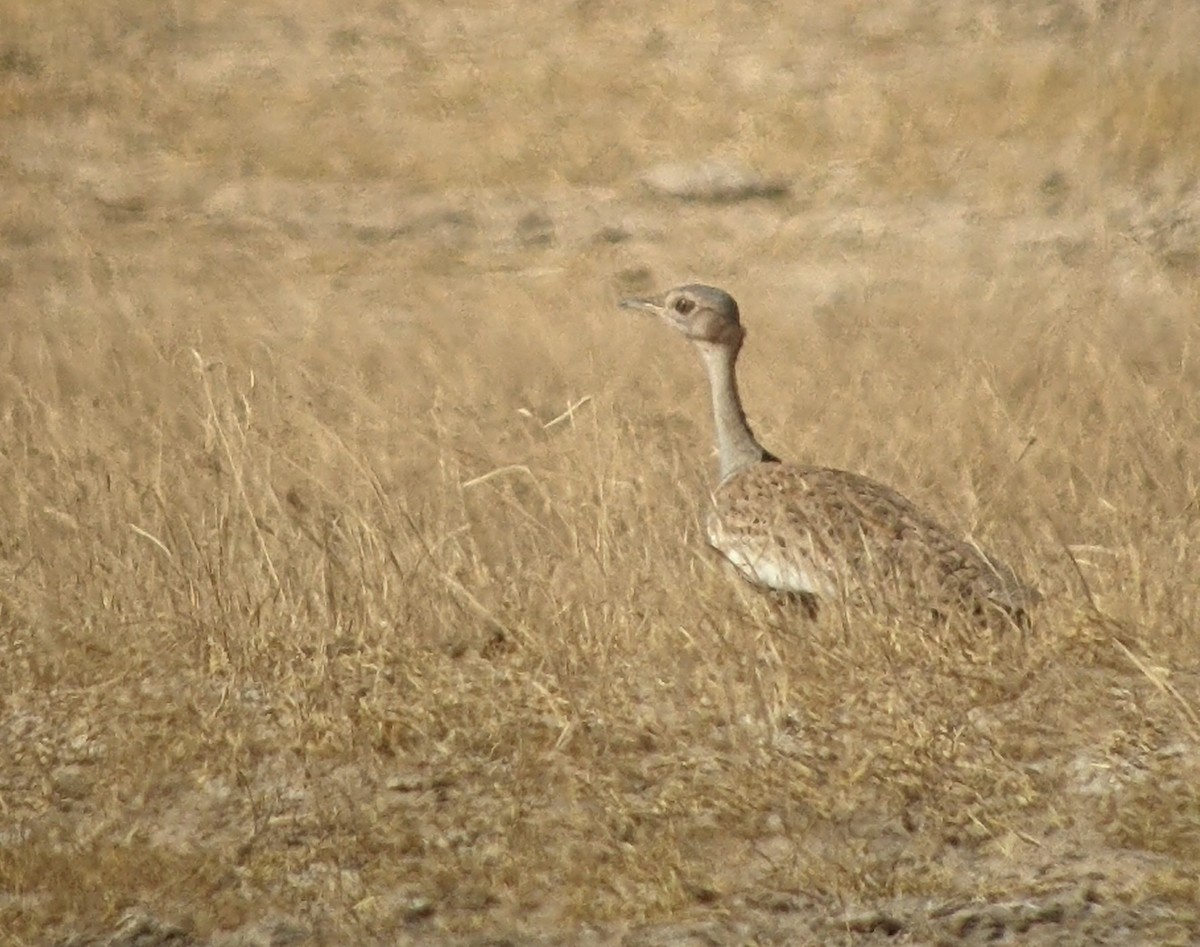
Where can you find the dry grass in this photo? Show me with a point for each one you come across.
(349, 561)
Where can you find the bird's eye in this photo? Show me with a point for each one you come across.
(684, 305)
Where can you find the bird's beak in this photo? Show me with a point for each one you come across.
(644, 304)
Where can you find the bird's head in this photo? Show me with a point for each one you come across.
(704, 314)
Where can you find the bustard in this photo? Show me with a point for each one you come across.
(814, 532)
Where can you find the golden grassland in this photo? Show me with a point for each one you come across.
(350, 560)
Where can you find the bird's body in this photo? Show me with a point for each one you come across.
(817, 532)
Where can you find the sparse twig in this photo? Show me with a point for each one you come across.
(1157, 678)
(154, 539)
(499, 471)
(569, 414)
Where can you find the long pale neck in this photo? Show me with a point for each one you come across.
(736, 445)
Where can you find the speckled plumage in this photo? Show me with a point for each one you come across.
(816, 532)
(832, 534)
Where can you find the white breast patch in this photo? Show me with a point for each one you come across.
(764, 562)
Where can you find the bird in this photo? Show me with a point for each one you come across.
(819, 534)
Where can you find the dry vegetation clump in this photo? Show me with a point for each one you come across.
(350, 554)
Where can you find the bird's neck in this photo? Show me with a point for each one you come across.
(737, 446)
